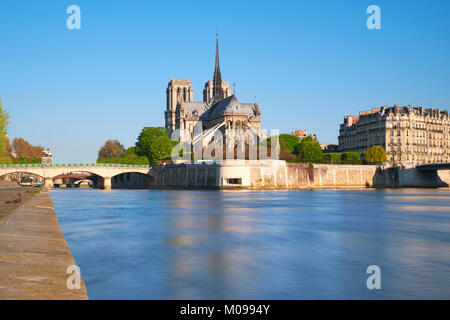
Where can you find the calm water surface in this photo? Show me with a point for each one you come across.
(161, 244)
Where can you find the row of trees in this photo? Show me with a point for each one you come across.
(294, 149)
(24, 151)
(4, 141)
(113, 152)
(343, 158)
(152, 145)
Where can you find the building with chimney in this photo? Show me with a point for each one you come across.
(410, 136)
(303, 134)
(219, 110)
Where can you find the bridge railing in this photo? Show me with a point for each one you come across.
(78, 165)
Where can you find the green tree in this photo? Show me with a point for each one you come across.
(375, 154)
(4, 117)
(333, 157)
(343, 158)
(154, 143)
(131, 151)
(7, 152)
(128, 157)
(351, 158)
(288, 142)
(308, 150)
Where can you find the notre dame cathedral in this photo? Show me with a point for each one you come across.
(219, 110)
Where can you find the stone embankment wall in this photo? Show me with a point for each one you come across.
(410, 178)
(275, 174)
(132, 180)
(186, 176)
(262, 175)
(300, 175)
(330, 176)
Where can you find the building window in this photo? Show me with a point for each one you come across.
(234, 180)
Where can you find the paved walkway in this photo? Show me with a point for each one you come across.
(34, 255)
(9, 196)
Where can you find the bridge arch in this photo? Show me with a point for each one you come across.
(132, 180)
(2, 174)
(19, 175)
(104, 172)
(72, 179)
(84, 182)
(99, 178)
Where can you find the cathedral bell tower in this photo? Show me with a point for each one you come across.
(178, 91)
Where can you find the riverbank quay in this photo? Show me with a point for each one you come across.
(34, 255)
(261, 175)
(278, 174)
(13, 197)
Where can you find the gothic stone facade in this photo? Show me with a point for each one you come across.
(219, 110)
(409, 135)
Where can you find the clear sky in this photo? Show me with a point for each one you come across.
(309, 63)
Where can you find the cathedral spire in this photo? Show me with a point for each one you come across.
(217, 79)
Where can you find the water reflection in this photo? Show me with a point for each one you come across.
(258, 245)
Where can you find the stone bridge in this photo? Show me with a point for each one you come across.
(104, 171)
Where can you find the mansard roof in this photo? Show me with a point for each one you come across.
(230, 105)
(385, 111)
(413, 110)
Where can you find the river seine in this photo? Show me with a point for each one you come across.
(297, 244)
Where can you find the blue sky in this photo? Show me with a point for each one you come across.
(309, 63)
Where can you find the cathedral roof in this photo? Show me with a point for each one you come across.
(230, 105)
(195, 108)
